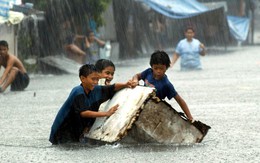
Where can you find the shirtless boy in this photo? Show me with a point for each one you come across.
(15, 73)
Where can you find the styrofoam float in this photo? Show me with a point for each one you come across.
(145, 119)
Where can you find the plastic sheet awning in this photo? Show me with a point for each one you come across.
(180, 9)
(13, 18)
(4, 8)
(7, 16)
(176, 9)
(238, 27)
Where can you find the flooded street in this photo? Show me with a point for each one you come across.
(224, 95)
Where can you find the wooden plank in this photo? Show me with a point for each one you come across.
(58, 64)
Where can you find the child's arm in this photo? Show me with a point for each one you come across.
(183, 106)
(174, 58)
(203, 51)
(87, 44)
(119, 86)
(1, 76)
(9, 66)
(100, 42)
(94, 114)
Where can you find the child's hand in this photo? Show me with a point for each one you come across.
(202, 46)
(134, 83)
(131, 84)
(202, 50)
(112, 110)
(171, 65)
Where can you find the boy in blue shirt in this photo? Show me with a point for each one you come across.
(79, 111)
(156, 77)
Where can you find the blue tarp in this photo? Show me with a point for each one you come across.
(180, 9)
(176, 9)
(238, 27)
(4, 8)
(5, 5)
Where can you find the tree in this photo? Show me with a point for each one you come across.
(77, 12)
(132, 28)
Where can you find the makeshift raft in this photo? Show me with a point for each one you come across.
(143, 118)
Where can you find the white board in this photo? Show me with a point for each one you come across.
(113, 128)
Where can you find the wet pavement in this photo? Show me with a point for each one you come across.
(224, 95)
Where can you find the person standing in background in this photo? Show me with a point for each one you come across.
(190, 50)
(93, 45)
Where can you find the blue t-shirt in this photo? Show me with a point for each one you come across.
(189, 53)
(68, 122)
(164, 87)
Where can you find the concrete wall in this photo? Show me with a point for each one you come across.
(258, 6)
(8, 33)
(108, 32)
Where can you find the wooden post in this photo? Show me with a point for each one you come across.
(252, 26)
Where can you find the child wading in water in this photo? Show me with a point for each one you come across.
(78, 113)
(156, 77)
(106, 68)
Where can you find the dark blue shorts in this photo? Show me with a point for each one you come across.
(20, 82)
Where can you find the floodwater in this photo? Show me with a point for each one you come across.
(224, 95)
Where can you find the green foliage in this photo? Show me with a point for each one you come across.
(96, 8)
(79, 8)
(51, 34)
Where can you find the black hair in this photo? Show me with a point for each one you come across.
(3, 43)
(87, 69)
(160, 57)
(189, 28)
(89, 31)
(101, 64)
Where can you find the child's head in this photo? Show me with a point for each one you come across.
(3, 48)
(90, 35)
(89, 76)
(189, 32)
(160, 57)
(189, 28)
(159, 62)
(87, 69)
(4, 43)
(106, 68)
